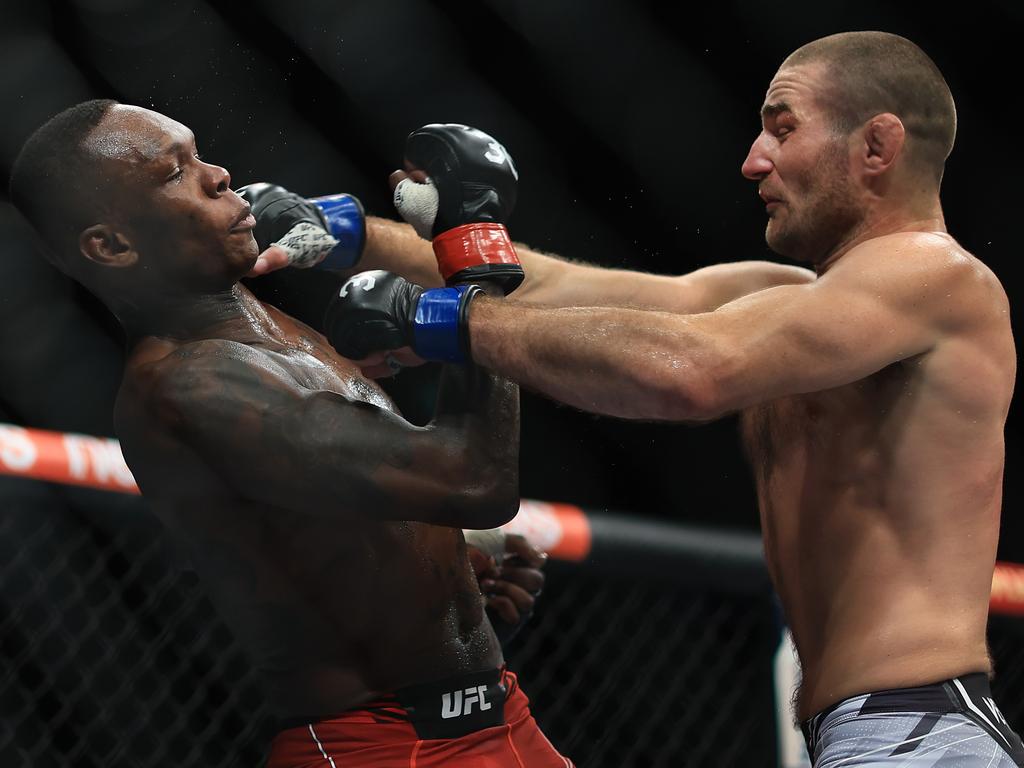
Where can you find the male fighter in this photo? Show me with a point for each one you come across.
(325, 526)
(874, 397)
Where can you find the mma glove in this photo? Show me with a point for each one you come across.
(324, 232)
(463, 206)
(377, 311)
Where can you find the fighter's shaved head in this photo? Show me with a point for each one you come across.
(870, 73)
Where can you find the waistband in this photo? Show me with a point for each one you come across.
(967, 694)
(448, 709)
(442, 709)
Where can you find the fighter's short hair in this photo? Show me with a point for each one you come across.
(53, 175)
(869, 73)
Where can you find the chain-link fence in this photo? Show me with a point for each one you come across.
(625, 673)
(112, 656)
(1006, 642)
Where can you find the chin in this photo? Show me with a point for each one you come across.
(243, 259)
(787, 245)
(776, 240)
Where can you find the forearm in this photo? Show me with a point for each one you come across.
(324, 454)
(395, 247)
(720, 284)
(477, 420)
(618, 362)
(478, 411)
(551, 280)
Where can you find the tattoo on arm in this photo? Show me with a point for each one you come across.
(276, 442)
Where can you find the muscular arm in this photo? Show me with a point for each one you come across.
(555, 282)
(318, 452)
(395, 247)
(867, 312)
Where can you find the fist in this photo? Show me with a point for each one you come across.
(372, 312)
(467, 197)
(475, 177)
(325, 232)
(511, 584)
(377, 311)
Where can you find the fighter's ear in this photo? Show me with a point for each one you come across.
(884, 136)
(103, 245)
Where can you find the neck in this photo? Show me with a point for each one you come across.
(229, 313)
(887, 220)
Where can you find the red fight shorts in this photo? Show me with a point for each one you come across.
(480, 720)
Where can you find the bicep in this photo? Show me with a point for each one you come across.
(313, 451)
(552, 281)
(795, 339)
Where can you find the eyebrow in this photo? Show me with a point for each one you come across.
(171, 149)
(771, 110)
(176, 147)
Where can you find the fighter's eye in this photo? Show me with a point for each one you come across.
(176, 176)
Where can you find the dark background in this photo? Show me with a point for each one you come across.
(628, 120)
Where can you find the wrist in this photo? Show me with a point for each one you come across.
(344, 218)
(440, 326)
(478, 251)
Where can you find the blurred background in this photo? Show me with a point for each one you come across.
(628, 121)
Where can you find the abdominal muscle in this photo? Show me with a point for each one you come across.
(881, 554)
(868, 615)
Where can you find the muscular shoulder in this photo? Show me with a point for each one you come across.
(929, 275)
(168, 382)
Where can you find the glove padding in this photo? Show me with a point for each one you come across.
(378, 311)
(469, 195)
(474, 175)
(327, 232)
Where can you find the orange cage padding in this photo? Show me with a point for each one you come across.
(562, 530)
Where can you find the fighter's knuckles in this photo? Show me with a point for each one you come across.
(504, 607)
(529, 579)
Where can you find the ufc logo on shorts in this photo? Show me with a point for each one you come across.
(461, 702)
(994, 710)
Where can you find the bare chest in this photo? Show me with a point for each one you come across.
(834, 424)
(314, 365)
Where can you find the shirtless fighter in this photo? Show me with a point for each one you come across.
(873, 397)
(325, 526)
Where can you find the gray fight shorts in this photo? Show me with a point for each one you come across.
(953, 724)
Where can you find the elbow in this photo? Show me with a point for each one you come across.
(492, 479)
(703, 401)
(488, 504)
(495, 501)
(675, 397)
(688, 398)
(482, 491)
(708, 386)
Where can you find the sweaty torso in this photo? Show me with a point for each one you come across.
(880, 504)
(334, 610)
